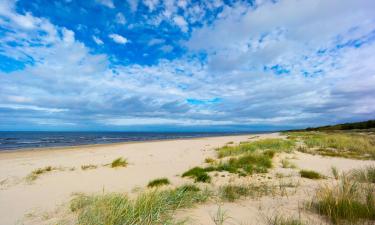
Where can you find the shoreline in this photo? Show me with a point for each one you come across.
(114, 144)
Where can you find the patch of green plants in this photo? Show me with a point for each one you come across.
(150, 207)
(89, 167)
(310, 174)
(36, 173)
(119, 162)
(273, 144)
(198, 174)
(346, 202)
(209, 160)
(366, 174)
(287, 164)
(281, 220)
(232, 192)
(158, 182)
(337, 144)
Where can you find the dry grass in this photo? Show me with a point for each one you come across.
(119, 162)
(89, 167)
(36, 173)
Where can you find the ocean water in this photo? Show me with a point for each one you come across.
(20, 140)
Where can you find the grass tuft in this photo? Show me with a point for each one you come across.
(89, 167)
(280, 220)
(310, 174)
(346, 202)
(199, 174)
(36, 173)
(287, 164)
(158, 182)
(209, 160)
(366, 174)
(119, 162)
(150, 207)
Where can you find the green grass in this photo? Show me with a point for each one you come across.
(346, 202)
(287, 164)
(198, 174)
(310, 174)
(209, 160)
(158, 182)
(366, 174)
(119, 162)
(36, 173)
(273, 144)
(150, 207)
(281, 220)
(232, 192)
(337, 144)
(89, 167)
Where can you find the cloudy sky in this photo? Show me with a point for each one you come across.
(185, 65)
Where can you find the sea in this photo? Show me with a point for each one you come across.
(15, 140)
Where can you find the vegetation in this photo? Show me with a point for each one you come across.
(36, 173)
(346, 202)
(119, 162)
(220, 217)
(150, 207)
(335, 172)
(271, 144)
(89, 167)
(280, 220)
(158, 182)
(199, 174)
(346, 126)
(209, 160)
(366, 174)
(287, 164)
(347, 145)
(310, 174)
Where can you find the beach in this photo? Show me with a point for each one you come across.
(46, 199)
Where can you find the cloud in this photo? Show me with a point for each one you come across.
(107, 3)
(151, 4)
(120, 18)
(97, 40)
(181, 22)
(133, 5)
(118, 38)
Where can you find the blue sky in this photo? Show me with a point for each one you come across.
(185, 65)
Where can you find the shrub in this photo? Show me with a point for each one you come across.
(158, 182)
(310, 174)
(119, 162)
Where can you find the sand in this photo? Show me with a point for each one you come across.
(22, 202)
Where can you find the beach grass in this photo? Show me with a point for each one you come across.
(150, 207)
(37, 172)
(282, 220)
(198, 174)
(366, 174)
(89, 167)
(119, 162)
(272, 144)
(337, 144)
(209, 160)
(310, 174)
(158, 182)
(347, 202)
(285, 163)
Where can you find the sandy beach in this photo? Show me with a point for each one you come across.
(38, 202)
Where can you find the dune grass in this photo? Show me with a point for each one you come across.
(273, 144)
(209, 160)
(37, 172)
(366, 174)
(119, 162)
(310, 174)
(89, 167)
(347, 202)
(281, 220)
(150, 207)
(158, 182)
(285, 163)
(198, 174)
(337, 144)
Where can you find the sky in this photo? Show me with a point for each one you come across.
(164, 65)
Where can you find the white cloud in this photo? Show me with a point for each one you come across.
(167, 48)
(107, 3)
(120, 18)
(151, 4)
(133, 5)
(118, 38)
(181, 22)
(155, 41)
(97, 40)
